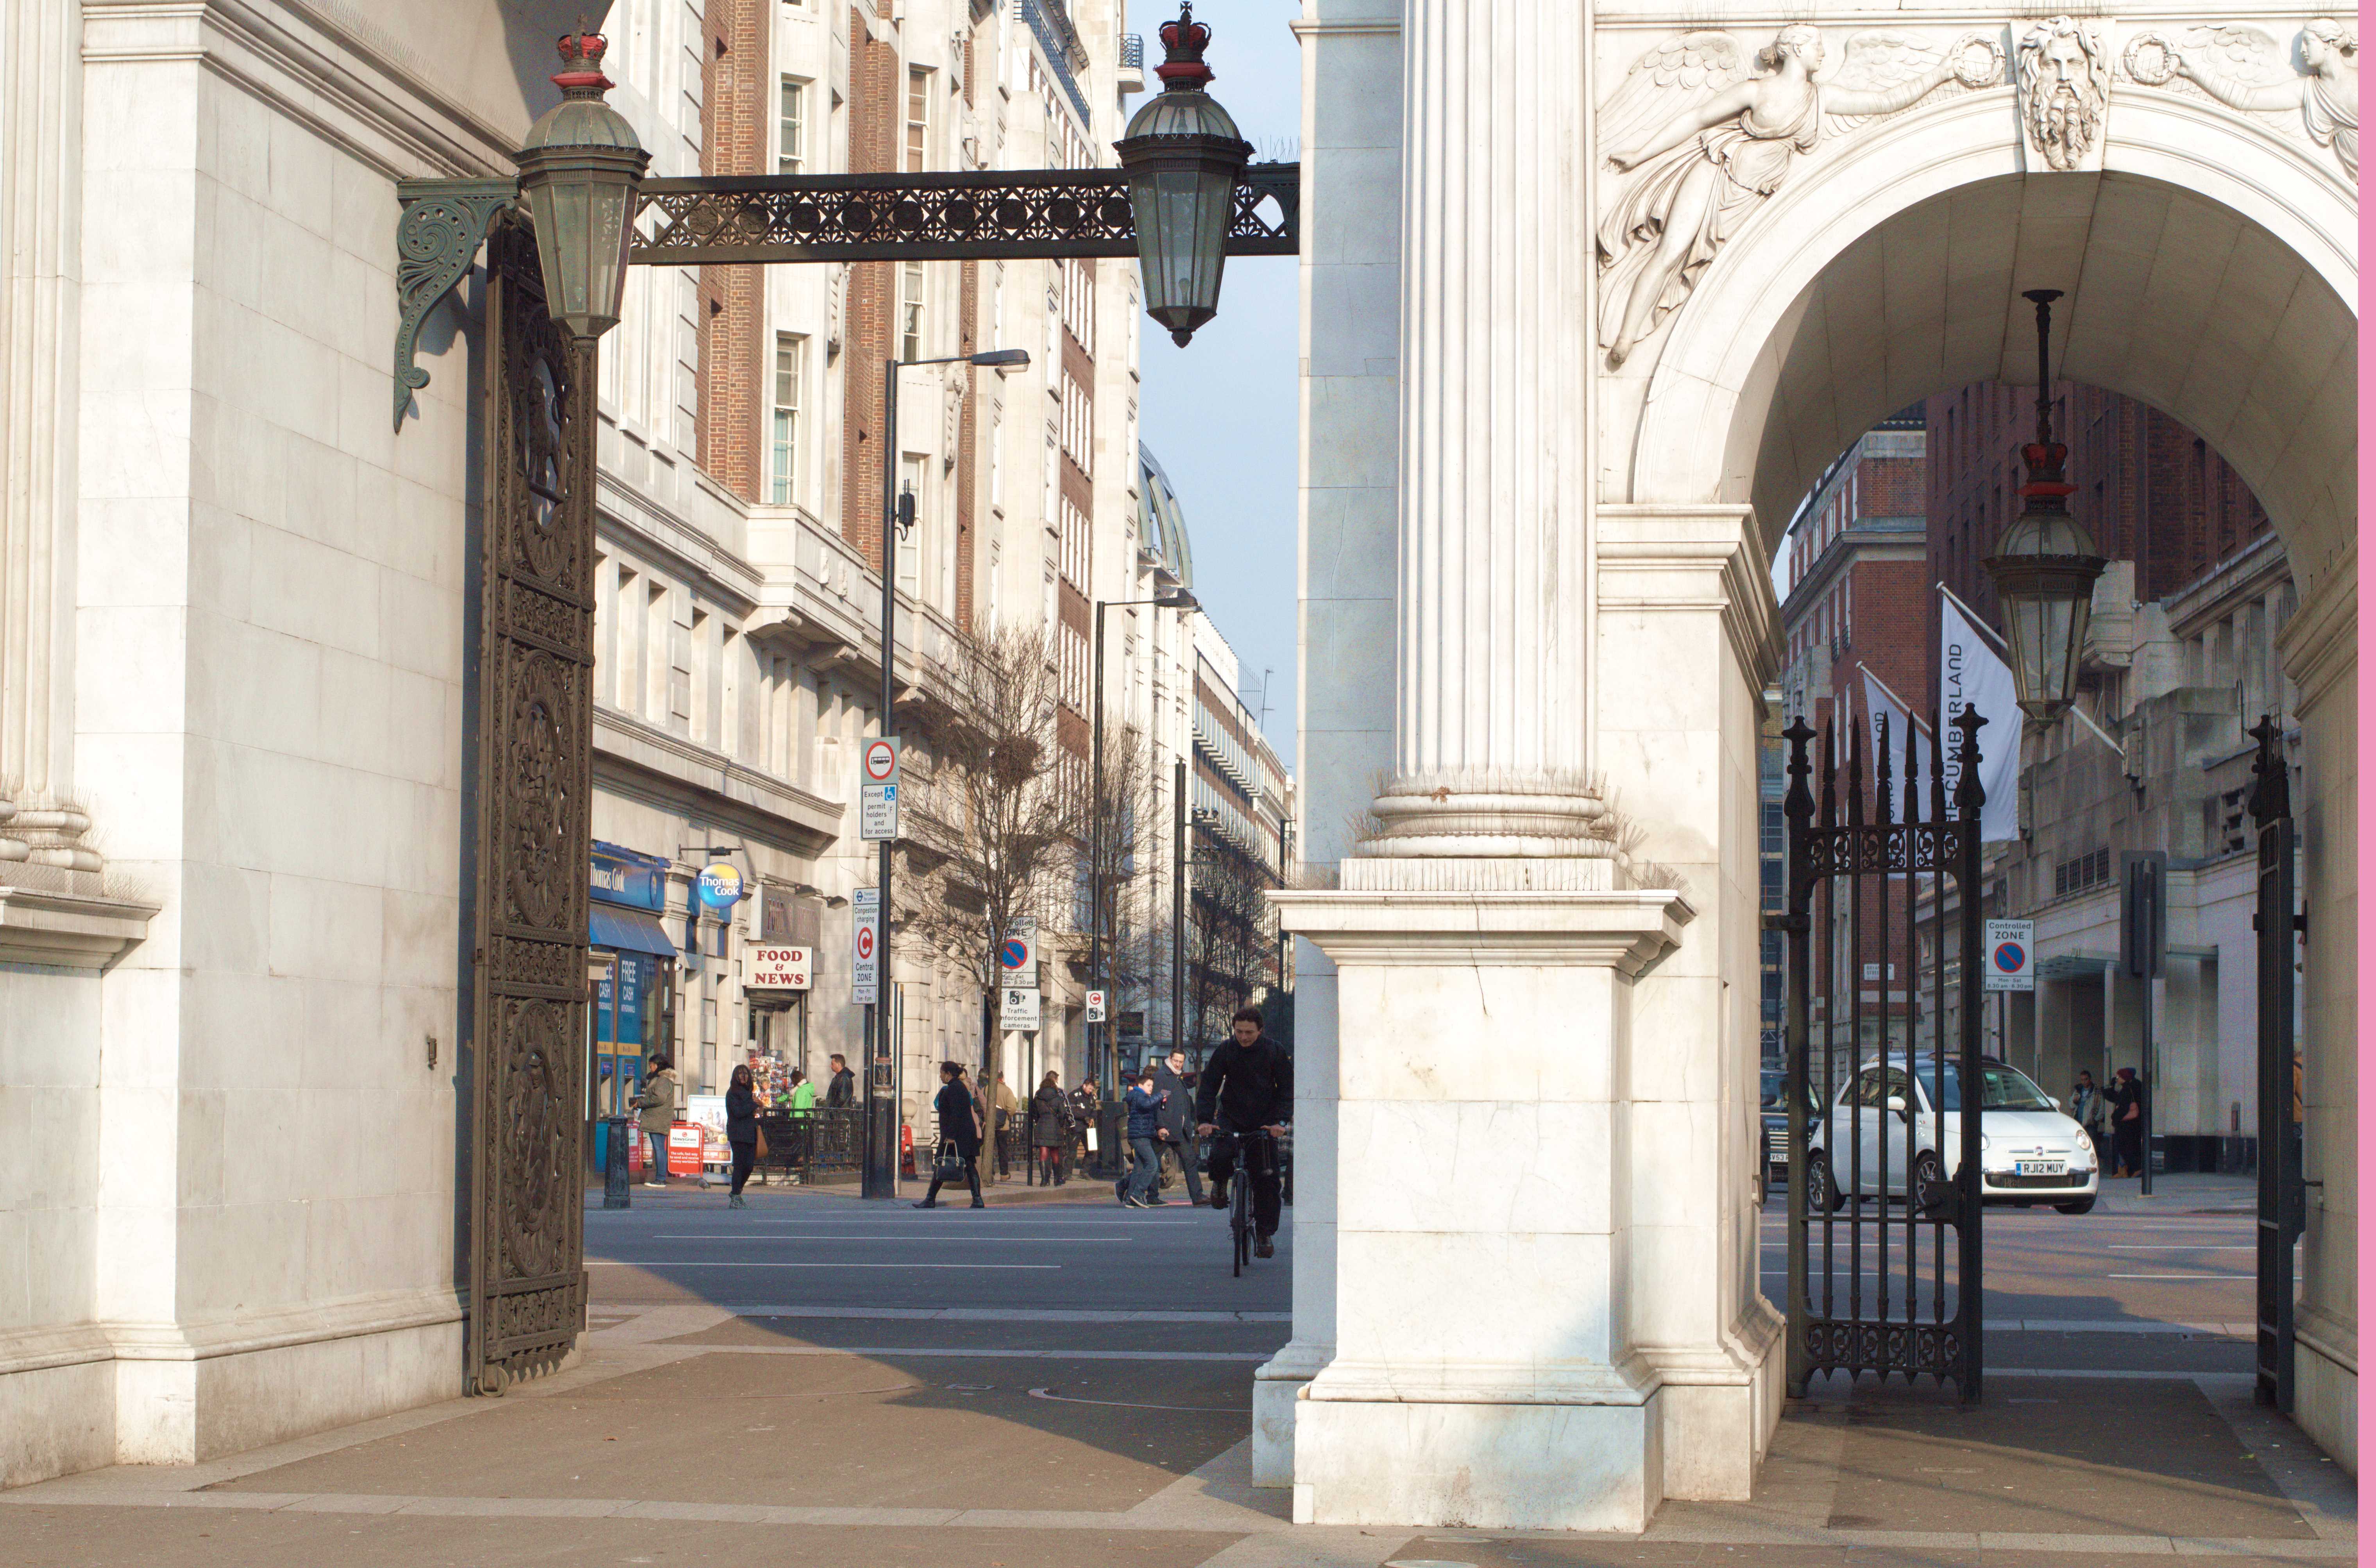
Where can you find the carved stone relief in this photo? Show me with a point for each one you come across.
(2065, 83)
(1705, 139)
(2314, 89)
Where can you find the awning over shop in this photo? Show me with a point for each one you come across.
(628, 930)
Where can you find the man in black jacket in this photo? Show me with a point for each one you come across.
(1175, 1125)
(1247, 1083)
(843, 1089)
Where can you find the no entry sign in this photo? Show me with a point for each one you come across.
(880, 760)
(2011, 955)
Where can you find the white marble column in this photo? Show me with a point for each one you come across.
(1493, 623)
(40, 119)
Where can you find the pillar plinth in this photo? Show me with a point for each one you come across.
(1486, 1370)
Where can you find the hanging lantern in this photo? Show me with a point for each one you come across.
(580, 168)
(2046, 566)
(1182, 155)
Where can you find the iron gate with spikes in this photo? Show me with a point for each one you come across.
(2275, 924)
(1873, 1192)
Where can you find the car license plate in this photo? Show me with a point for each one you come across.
(2038, 1168)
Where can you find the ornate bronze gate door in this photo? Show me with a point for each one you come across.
(536, 655)
(1882, 1177)
(2280, 1135)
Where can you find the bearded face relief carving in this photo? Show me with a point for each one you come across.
(2066, 79)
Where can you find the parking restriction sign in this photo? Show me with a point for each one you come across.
(2012, 956)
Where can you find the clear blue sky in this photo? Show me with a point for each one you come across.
(1219, 414)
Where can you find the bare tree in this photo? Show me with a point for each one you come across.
(992, 820)
(1127, 812)
(1231, 937)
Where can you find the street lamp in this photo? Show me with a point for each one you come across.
(580, 170)
(2046, 566)
(1182, 156)
(878, 1179)
(1170, 599)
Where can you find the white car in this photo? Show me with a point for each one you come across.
(2030, 1152)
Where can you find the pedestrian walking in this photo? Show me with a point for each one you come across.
(1003, 1107)
(1175, 1125)
(1048, 1124)
(2087, 1110)
(842, 1092)
(1146, 1107)
(658, 1105)
(1248, 1084)
(742, 1131)
(2126, 1100)
(1086, 1108)
(961, 1132)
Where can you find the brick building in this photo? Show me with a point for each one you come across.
(743, 454)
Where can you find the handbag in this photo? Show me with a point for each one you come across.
(948, 1163)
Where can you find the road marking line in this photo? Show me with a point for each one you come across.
(728, 1236)
(2296, 1277)
(2176, 1247)
(698, 1263)
(960, 1353)
(1126, 1404)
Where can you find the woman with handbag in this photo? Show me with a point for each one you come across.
(742, 1131)
(1048, 1130)
(960, 1138)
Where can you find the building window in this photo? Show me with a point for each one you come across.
(792, 127)
(784, 438)
(919, 108)
(912, 543)
(911, 311)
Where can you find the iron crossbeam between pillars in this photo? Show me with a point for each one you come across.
(980, 215)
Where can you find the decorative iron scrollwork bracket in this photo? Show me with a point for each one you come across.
(443, 224)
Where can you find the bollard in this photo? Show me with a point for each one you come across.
(615, 1192)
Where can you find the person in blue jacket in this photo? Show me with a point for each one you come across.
(1146, 1107)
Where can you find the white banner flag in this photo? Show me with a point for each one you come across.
(1880, 705)
(1972, 674)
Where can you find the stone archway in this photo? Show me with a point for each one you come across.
(2226, 301)
(1543, 936)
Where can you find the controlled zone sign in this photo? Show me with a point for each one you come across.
(865, 957)
(1018, 1009)
(2011, 955)
(1019, 954)
(1097, 1006)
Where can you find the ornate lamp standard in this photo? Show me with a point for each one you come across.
(2046, 566)
(580, 168)
(1172, 599)
(878, 1179)
(1184, 158)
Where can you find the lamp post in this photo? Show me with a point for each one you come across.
(581, 167)
(880, 1139)
(1182, 157)
(2046, 565)
(1101, 1039)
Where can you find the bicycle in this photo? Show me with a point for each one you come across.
(1255, 1151)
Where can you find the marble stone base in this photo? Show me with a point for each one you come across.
(1483, 1465)
(183, 1410)
(56, 1420)
(1279, 1390)
(2326, 1405)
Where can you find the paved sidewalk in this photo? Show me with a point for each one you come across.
(690, 1433)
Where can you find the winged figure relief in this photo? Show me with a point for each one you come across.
(2245, 68)
(1707, 134)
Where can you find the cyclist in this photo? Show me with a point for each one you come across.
(1247, 1085)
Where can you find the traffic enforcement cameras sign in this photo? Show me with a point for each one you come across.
(1097, 1006)
(2011, 955)
(1018, 1011)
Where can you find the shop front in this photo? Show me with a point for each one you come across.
(633, 988)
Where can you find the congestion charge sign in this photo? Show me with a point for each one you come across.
(2012, 956)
